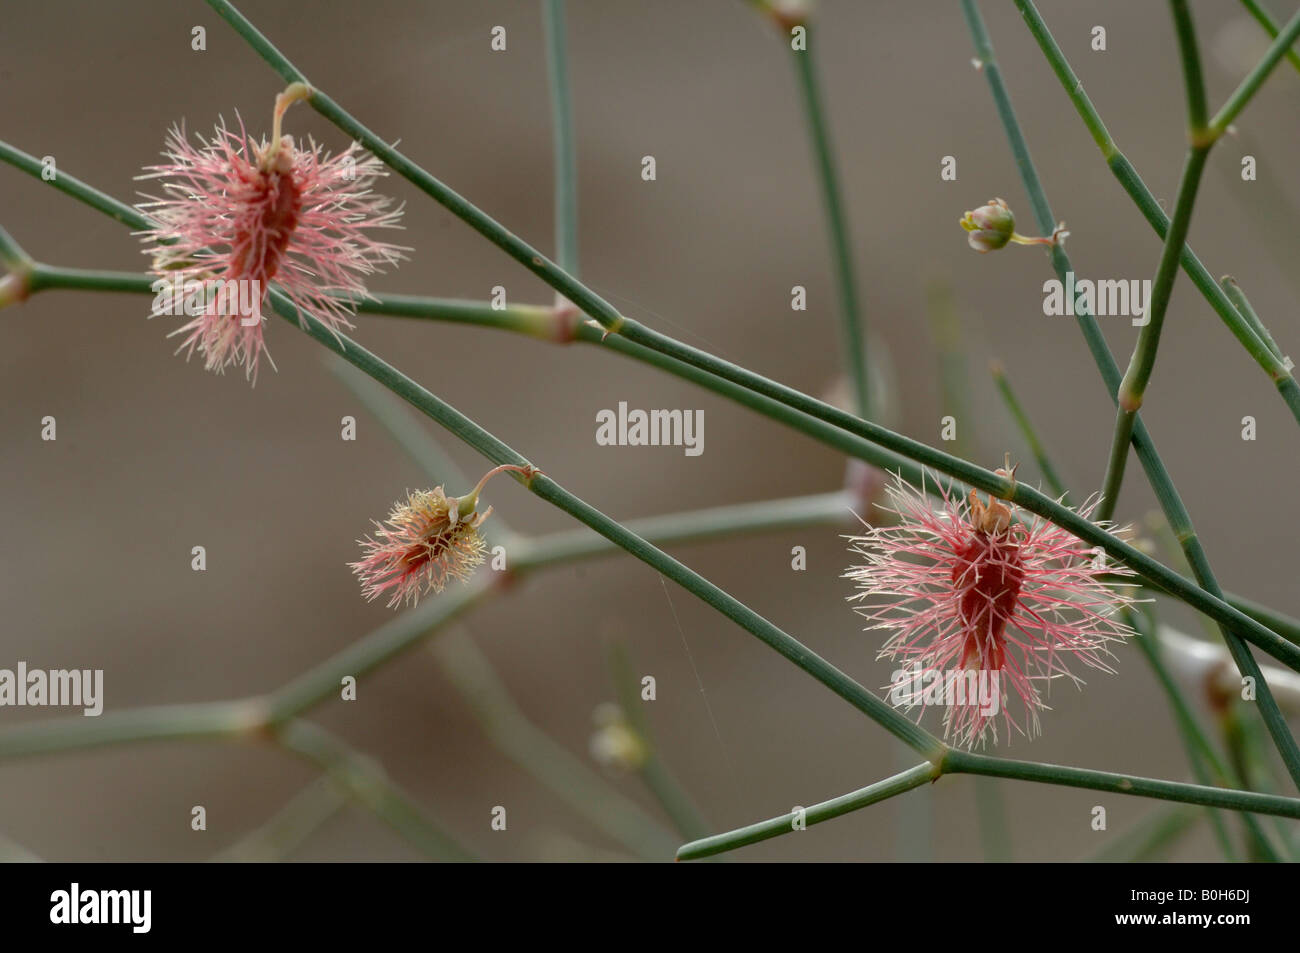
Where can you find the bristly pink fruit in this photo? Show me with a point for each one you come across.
(422, 545)
(428, 540)
(241, 213)
(964, 588)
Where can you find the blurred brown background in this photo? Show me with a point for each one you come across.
(155, 456)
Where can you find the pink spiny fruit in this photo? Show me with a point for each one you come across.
(422, 545)
(238, 211)
(963, 588)
(427, 540)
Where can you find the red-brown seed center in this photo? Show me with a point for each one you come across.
(259, 247)
(988, 573)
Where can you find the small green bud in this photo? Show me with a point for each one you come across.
(990, 226)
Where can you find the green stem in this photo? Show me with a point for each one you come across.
(1132, 183)
(1255, 79)
(566, 163)
(967, 762)
(408, 431)
(1132, 388)
(690, 526)
(1171, 503)
(1243, 305)
(854, 338)
(367, 654)
(12, 254)
(1270, 27)
(785, 824)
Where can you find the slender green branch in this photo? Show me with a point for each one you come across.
(797, 820)
(566, 163)
(1270, 27)
(853, 331)
(366, 782)
(690, 526)
(365, 655)
(967, 762)
(243, 718)
(1255, 79)
(1287, 626)
(1171, 503)
(1242, 304)
(408, 431)
(1190, 57)
(11, 253)
(1132, 388)
(1132, 183)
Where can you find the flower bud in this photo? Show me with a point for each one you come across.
(990, 226)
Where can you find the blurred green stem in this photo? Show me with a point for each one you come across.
(566, 163)
(290, 826)
(365, 781)
(655, 774)
(854, 337)
(1270, 26)
(561, 772)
